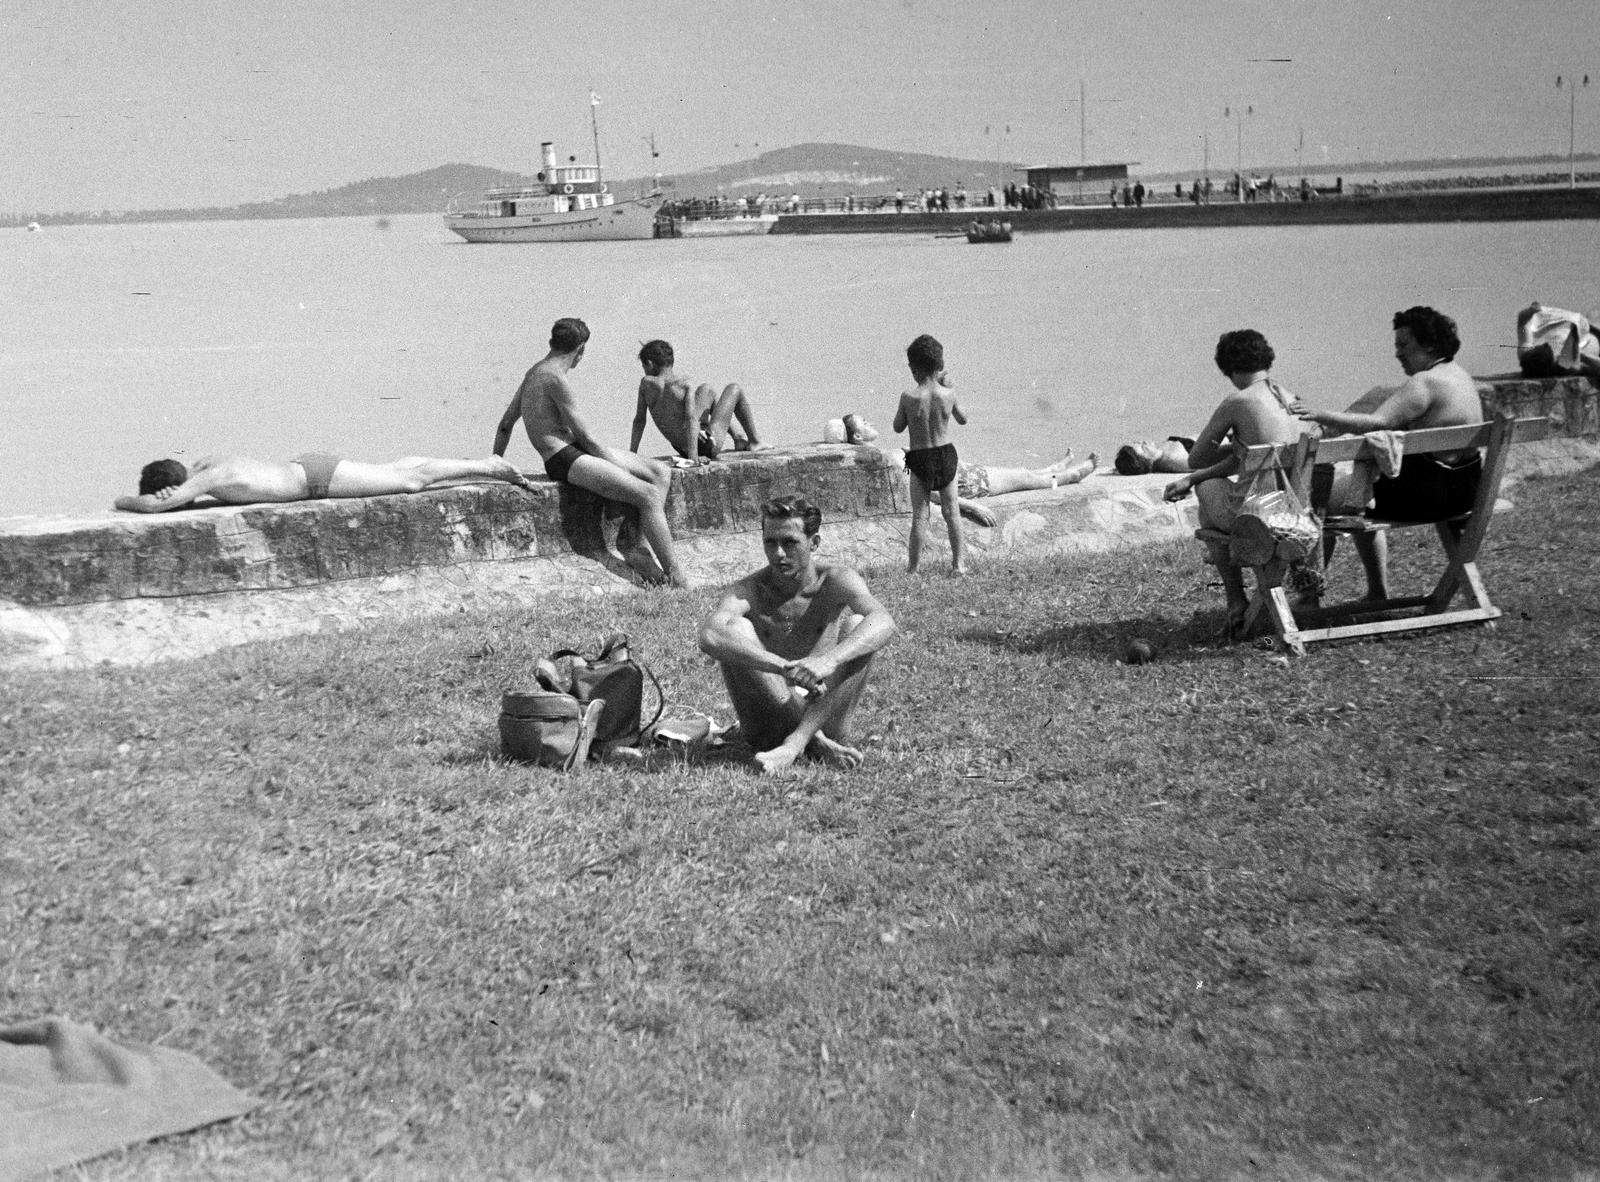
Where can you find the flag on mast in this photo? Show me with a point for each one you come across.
(594, 99)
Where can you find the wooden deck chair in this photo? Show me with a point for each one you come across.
(1461, 537)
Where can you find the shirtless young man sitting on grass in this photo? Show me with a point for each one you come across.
(239, 480)
(796, 641)
(548, 408)
(696, 420)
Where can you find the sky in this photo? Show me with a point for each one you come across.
(134, 104)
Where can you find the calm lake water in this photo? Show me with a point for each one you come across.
(378, 339)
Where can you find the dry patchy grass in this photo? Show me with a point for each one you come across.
(1223, 915)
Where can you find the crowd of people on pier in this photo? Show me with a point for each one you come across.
(1129, 194)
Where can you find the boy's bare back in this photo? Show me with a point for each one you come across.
(926, 412)
(670, 401)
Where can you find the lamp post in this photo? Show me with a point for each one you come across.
(1083, 101)
(1573, 85)
(999, 147)
(1238, 115)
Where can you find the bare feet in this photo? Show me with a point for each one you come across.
(958, 572)
(821, 748)
(1075, 472)
(505, 470)
(779, 759)
(836, 754)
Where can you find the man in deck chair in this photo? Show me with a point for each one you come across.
(1437, 392)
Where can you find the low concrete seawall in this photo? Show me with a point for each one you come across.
(129, 589)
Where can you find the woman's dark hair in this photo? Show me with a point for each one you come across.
(160, 474)
(1431, 329)
(1244, 351)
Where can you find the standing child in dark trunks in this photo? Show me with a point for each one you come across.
(931, 459)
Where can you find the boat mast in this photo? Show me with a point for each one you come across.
(594, 125)
(655, 169)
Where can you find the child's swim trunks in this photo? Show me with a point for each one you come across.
(934, 466)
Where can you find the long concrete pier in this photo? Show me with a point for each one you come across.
(129, 588)
(1467, 205)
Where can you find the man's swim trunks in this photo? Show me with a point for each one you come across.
(1426, 489)
(934, 466)
(318, 466)
(705, 447)
(972, 481)
(560, 463)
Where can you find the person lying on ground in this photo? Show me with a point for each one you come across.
(696, 420)
(1437, 392)
(795, 642)
(1553, 343)
(1256, 412)
(926, 412)
(1146, 456)
(547, 407)
(992, 480)
(239, 480)
(974, 481)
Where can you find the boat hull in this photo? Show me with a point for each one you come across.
(621, 221)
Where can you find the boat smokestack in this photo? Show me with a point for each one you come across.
(547, 155)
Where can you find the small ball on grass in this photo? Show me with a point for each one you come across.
(1139, 652)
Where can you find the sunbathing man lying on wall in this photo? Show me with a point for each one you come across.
(239, 480)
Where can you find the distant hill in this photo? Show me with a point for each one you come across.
(420, 192)
(833, 169)
(836, 169)
(812, 170)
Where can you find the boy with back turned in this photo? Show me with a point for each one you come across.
(931, 458)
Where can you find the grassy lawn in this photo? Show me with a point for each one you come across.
(1225, 915)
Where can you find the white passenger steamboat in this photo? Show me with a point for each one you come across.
(570, 203)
